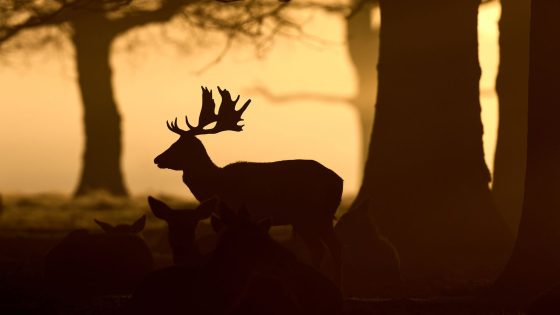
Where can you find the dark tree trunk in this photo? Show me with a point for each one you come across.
(101, 169)
(363, 46)
(534, 266)
(425, 175)
(370, 266)
(511, 86)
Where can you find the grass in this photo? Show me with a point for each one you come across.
(62, 212)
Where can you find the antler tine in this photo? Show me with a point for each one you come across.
(173, 127)
(244, 107)
(191, 127)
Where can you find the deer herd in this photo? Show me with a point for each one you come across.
(246, 271)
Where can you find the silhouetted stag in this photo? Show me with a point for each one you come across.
(248, 273)
(88, 264)
(301, 193)
(181, 225)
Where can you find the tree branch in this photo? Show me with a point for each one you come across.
(54, 12)
(52, 18)
(303, 96)
(139, 18)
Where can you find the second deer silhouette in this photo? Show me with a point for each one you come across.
(181, 227)
(300, 193)
(88, 264)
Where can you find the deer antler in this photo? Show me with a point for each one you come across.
(173, 127)
(207, 112)
(228, 118)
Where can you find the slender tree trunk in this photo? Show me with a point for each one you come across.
(534, 266)
(512, 87)
(363, 46)
(101, 169)
(426, 174)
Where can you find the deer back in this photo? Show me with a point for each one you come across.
(288, 192)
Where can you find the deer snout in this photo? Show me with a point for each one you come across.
(168, 160)
(158, 161)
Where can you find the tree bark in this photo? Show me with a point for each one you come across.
(425, 175)
(101, 168)
(534, 265)
(512, 89)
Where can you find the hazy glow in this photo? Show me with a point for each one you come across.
(489, 58)
(40, 115)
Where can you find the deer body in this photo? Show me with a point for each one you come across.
(90, 264)
(301, 193)
(272, 189)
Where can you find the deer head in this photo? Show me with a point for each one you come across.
(244, 240)
(123, 229)
(181, 225)
(228, 118)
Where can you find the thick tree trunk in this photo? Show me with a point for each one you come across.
(426, 174)
(101, 169)
(534, 266)
(363, 46)
(370, 266)
(512, 87)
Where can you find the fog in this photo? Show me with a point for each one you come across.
(40, 112)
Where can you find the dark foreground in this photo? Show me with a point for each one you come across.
(31, 226)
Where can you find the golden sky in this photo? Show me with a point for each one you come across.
(40, 114)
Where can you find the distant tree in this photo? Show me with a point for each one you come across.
(511, 86)
(534, 265)
(93, 27)
(362, 40)
(425, 176)
(363, 48)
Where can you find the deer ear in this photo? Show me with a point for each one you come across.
(106, 226)
(159, 208)
(207, 207)
(138, 226)
(264, 224)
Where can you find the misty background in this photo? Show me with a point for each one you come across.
(155, 80)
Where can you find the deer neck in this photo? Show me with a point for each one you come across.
(201, 176)
(186, 255)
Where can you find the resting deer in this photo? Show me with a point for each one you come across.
(181, 227)
(89, 264)
(247, 273)
(301, 193)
